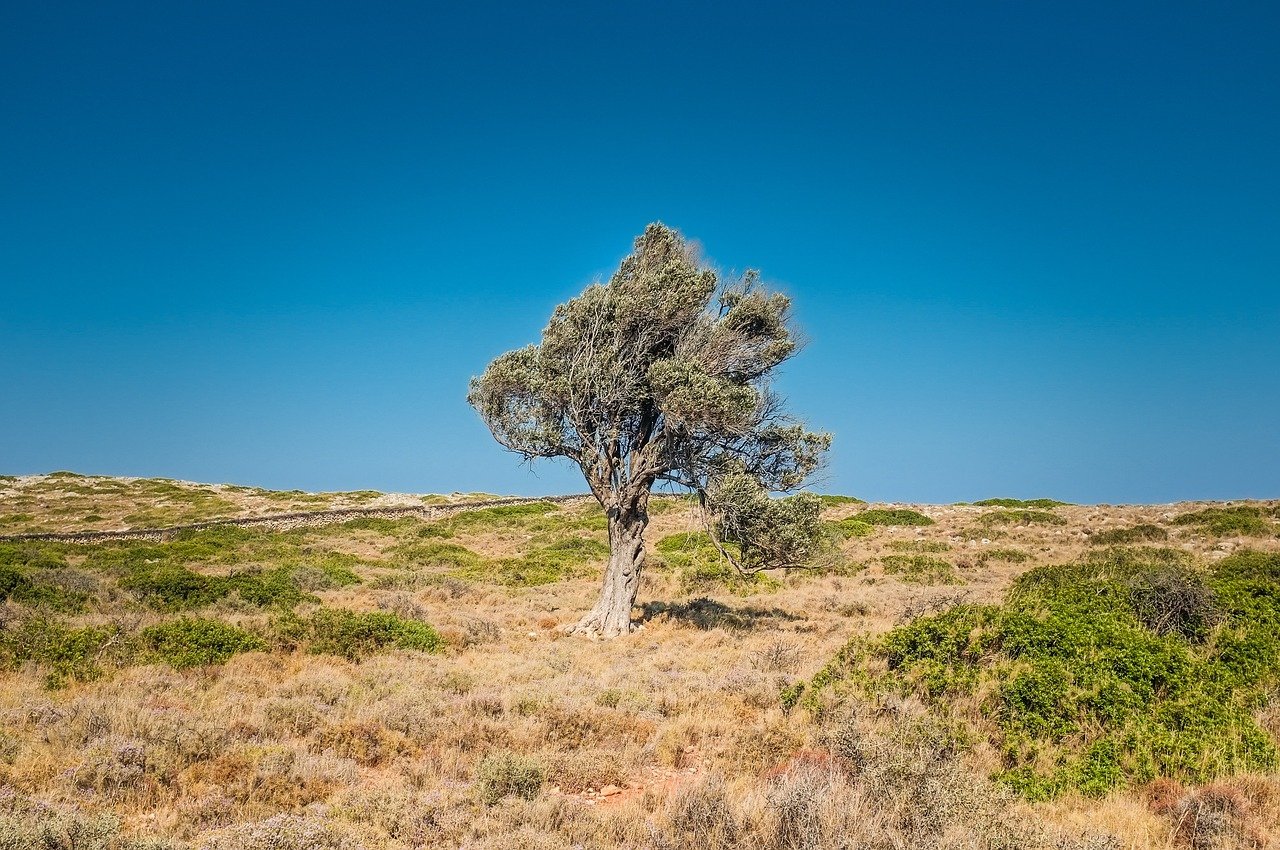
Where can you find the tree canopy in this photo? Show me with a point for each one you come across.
(659, 375)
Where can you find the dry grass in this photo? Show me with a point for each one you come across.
(520, 737)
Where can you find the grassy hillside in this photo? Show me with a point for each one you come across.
(1002, 674)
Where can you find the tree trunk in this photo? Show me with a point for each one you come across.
(611, 615)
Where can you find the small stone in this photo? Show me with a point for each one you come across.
(610, 790)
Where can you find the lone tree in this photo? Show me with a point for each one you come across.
(661, 375)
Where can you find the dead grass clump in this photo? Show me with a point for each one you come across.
(368, 744)
(263, 780)
(506, 774)
(27, 824)
(283, 832)
(765, 750)
(582, 769)
(115, 769)
(703, 816)
(1216, 817)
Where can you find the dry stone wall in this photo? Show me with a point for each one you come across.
(289, 521)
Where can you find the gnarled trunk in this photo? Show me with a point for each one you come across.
(611, 615)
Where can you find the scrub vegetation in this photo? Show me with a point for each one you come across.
(923, 680)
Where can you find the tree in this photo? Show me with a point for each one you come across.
(661, 375)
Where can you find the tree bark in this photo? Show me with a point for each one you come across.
(611, 616)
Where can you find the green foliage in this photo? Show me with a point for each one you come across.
(189, 642)
(921, 569)
(540, 565)
(174, 588)
(1021, 503)
(1020, 517)
(766, 533)
(280, 566)
(24, 557)
(1143, 533)
(69, 654)
(483, 520)
(920, 546)
(1249, 520)
(850, 527)
(659, 505)
(698, 565)
(507, 774)
(433, 553)
(34, 575)
(832, 500)
(1127, 665)
(352, 635)
(890, 516)
(1008, 556)
(323, 571)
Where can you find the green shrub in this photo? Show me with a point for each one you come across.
(659, 505)
(70, 654)
(337, 631)
(173, 587)
(1246, 520)
(1020, 517)
(1144, 533)
(1021, 503)
(507, 774)
(851, 527)
(196, 642)
(890, 516)
(831, 500)
(436, 554)
(920, 569)
(324, 571)
(1008, 556)
(33, 576)
(1124, 666)
(540, 565)
(922, 546)
(495, 518)
(698, 565)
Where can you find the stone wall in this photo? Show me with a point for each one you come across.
(287, 522)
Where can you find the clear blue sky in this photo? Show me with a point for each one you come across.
(1035, 246)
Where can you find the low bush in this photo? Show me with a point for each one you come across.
(850, 527)
(1247, 520)
(1144, 533)
(921, 546)
(352, 635)
(1020, 517)
(921, 569)
(540, 565)
(176, 588)
(831, 500)
(68, 654)
(1127, 665)
(891, 516)
(433, 553)
(698, 565)
(1008, 556)
(34, 577)
(188, 642)
(495, 518)
(1021, 503)
(507, 774)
